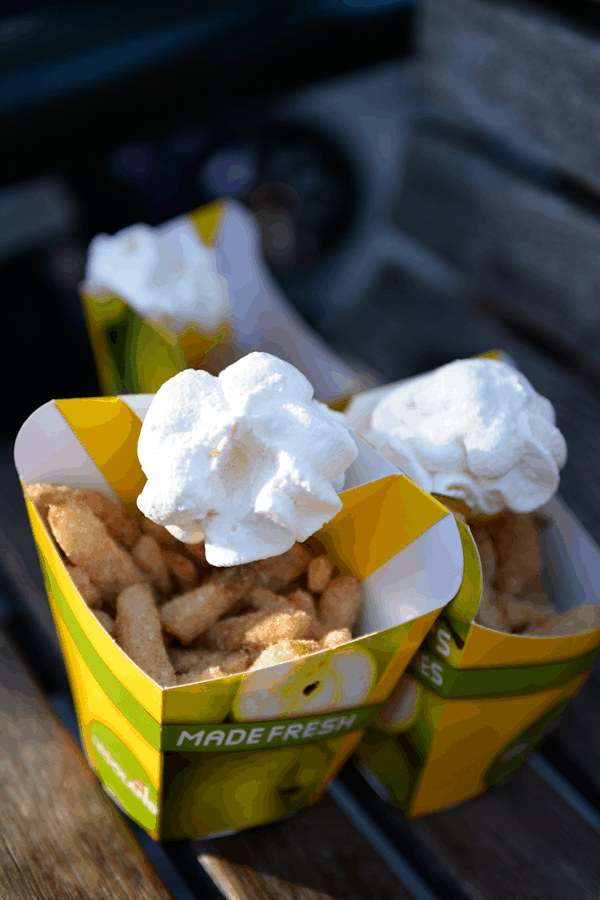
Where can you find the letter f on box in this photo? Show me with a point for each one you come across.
(276, 731)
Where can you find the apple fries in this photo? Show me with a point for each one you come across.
(512, 599)
(139, 633)
(87, 544)
(178, 618)
(119, 524)
(202, 665)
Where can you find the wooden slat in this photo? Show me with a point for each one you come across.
(61, 838)
(574, 745)
(521, 72)
(520, 840)
(19, 556)
(317, 855)
(536, 254)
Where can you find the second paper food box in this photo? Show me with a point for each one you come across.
(475, 701)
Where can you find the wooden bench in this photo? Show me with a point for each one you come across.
(534, 836)
(471, 205)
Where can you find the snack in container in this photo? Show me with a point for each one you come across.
(214, 703)
(517, 642)
(194, 292)
(155, 302)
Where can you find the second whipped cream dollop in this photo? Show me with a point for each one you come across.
(249, 459)
(475, 430)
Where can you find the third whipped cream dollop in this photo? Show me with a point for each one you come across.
(249, 459)
(475, 430)
(173, 288)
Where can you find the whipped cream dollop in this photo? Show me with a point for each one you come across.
(248, 458)
(475, 430)
(174, 287)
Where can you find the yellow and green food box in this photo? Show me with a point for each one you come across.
(224, 755)
(474, 702)
(136, 355)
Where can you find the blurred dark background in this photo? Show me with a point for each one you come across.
(426, 176)
(113, 114)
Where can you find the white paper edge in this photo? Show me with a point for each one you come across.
(68, 462)
(406, 587)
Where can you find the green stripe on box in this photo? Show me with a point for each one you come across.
(215, 737)
(125, 702)
(438, 676)
(227, 737)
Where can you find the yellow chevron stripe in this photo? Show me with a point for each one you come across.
(207, 221)
(109, 431)
(378, 520)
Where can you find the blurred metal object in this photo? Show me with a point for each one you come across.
(34, 213)
(133, 163)
(188, 143)
(262, 319)
(230, 171)
(18, 29)
(80, 48)
(279, 235)
(65, 265)
(305, 194)
(366, 119)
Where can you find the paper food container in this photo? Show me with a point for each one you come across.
(474, 702)
(220, 756)
(135, 355)
(132, 353)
